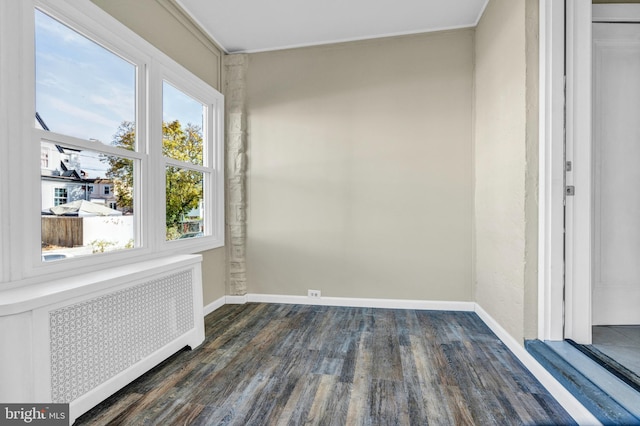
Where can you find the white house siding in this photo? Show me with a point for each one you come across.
(75, 191)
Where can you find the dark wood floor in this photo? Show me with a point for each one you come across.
(293, 364)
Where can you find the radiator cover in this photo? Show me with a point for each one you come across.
(94, 340)
(80, 339)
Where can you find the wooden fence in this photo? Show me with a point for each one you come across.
(62, 231)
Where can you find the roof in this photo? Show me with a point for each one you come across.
(84, 208)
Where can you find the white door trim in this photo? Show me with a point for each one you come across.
(551, 187)
(578, 209)
(564, 272)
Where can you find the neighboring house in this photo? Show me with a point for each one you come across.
(64, 181)
(102, 191)
(69, 186)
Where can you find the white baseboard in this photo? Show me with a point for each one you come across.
(236, 300)
(434, 305)
(575, 409)
(216, 304)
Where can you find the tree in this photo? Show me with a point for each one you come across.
(183, 186)
(121, 169)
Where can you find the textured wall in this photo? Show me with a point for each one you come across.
(360, 169)
(158, 22)
(506, 165)
(235, 173)
(532, 208)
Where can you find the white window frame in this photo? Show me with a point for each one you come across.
(20, 252)
(212, 158)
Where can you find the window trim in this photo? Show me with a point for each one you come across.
(20, 251)
(212, 158)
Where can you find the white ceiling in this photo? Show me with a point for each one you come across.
(260, 25)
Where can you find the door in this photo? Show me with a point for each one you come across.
(616, 173)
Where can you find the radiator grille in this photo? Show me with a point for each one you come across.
(96, 339)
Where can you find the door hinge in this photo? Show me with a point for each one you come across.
(569, 190)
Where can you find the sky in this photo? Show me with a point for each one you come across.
(84, 90)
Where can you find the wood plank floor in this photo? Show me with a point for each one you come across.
(265, 364)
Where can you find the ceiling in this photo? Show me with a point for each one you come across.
(261, 25)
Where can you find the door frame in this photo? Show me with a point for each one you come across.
(565, 253)
(551, 171)
(579, 150)
(564, 280)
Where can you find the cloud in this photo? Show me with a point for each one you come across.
(67, 118)
(49, 27)
(118, 100)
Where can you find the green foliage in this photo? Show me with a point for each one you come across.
(183, 192)
(121, 169)
(100, 246)
(183, 144)
(172, 233)
(184, 188)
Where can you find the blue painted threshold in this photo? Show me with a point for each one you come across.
(600, 403)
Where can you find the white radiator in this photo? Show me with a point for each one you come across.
(84, 341)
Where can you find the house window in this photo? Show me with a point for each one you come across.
(183, 136)
(109, 107)
(92, 101)
(59, 196)
(44, 158)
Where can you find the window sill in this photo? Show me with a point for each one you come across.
(26, 298)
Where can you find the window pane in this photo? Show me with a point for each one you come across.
(87, 202)
(185, 207)
(181, 126)
(82, 89)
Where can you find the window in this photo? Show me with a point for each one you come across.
(183, 134)
(82, 89)
(87, 92)
(59, 196)
(120, 130)
(44, 158)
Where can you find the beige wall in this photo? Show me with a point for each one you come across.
(378, 170)
(162, 24)
(181, 40)
(360, 169)
(506, 164)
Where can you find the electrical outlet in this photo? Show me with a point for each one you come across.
(313, 293)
